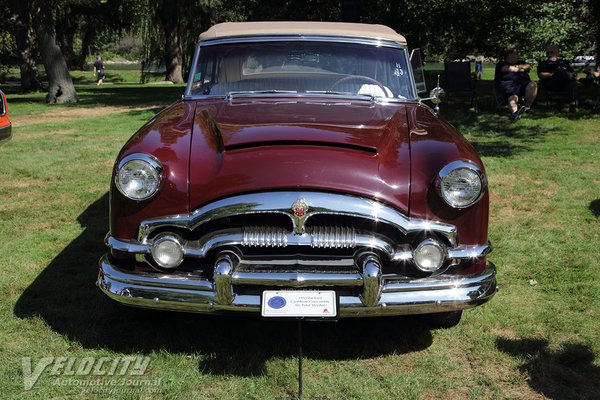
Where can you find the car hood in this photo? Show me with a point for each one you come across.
(245, 145)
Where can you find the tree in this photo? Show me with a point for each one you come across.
(168, 13)
(456, 29)
(60, 84)
(20, 19)
(594, 13)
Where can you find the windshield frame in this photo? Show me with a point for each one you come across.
(317, 38)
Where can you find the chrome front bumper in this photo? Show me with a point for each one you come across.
(191, 293)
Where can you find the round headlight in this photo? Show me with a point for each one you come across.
(138, 176)
(429, 255)
(461, 184)
(167, 251)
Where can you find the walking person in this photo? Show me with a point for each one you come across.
(478, 69)
(99, 71)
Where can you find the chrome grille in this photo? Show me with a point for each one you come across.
(333, 237)
(330, 237)
(264, 236)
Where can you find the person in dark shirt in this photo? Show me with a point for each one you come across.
(99, 70)
(512, 81)
(557, 75)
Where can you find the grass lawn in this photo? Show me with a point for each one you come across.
(118, 73)
(538, 338)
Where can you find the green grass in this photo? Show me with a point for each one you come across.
(115, 74)
(538, 337)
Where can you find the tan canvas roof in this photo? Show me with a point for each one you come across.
(302, 28)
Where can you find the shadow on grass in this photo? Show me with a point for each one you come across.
(595, 207)
(65, 297)
(568, 373)
(490, 130)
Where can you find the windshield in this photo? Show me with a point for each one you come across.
(302, 67)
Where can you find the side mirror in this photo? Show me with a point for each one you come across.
(436, 96)
(416, 62)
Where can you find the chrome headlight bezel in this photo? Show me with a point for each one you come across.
(443, 253)
(172, 239)
(151, 162)
(455, 166)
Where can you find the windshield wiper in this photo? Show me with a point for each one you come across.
(230, 95)
(365, 96)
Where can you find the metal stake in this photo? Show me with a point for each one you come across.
(299, 358)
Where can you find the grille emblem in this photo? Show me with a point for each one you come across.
(300, 210)
(300, 207)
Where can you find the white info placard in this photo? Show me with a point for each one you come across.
(298, 303)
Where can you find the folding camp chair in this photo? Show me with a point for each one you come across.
(458, 80)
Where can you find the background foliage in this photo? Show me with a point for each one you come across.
(131, 29)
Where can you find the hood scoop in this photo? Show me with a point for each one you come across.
(276, 143)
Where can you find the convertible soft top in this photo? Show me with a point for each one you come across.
(229, 29)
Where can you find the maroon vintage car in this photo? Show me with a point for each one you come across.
(300, 162)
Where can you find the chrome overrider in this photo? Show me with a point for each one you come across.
(380, 294)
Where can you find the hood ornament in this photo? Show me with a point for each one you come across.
(300, 207)
(300, 210)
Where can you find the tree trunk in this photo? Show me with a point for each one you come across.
(66, 27)
(88, 35)
(60, 84)
(30, 81)
(168, 12)
(596, 26)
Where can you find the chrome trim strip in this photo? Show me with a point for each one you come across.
(297, 279)
(338, 262)
(300, 37)
(193, 294)
(280, 203)
(200, 248)
(332, 98)
(399, 253)
(128, 246)
(470, 252)
(440, 282)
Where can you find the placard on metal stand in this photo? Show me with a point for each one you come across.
(300, 304)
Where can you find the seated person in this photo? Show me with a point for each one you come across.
(556, 74)
(591, 74)
(512, 81)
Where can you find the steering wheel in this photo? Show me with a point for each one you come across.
(359, 77)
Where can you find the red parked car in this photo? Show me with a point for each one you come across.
(5, 124)
(300, 169)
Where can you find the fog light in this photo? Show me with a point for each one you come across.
(167, 251)
(429, 255)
